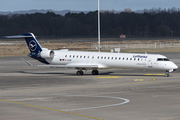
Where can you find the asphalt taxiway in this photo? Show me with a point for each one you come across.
(36, 93)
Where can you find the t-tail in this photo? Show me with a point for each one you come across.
(36, 51)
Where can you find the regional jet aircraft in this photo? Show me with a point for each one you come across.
(94, 60)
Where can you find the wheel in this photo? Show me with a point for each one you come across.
(82, 73)
(95, 72)
(79, 73)
(166, 74)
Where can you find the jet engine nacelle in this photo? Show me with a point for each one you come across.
(47, 54)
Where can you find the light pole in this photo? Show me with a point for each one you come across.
(99, 46)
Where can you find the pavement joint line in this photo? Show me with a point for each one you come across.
(132, 83)
(50, 109)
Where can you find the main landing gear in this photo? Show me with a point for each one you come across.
(95, 72)
(80, 72)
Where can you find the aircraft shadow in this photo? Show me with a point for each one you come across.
(59, 73)
(37, 73)
(103, 73)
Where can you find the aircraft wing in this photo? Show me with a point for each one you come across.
(64, 66)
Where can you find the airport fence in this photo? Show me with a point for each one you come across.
(156, 45)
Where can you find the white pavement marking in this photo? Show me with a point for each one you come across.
(112, 105)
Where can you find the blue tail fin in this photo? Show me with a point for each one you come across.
(31, 41)
(34, 46)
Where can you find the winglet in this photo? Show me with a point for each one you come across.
(29, 64)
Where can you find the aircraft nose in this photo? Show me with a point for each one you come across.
(174, 66)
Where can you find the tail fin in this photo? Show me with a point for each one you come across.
(33, 44)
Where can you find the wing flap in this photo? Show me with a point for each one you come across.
(68, 66)
(64, 66)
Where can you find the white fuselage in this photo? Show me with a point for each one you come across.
(94, 60)
(106, 60)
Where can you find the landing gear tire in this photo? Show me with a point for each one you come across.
(167, 74)
(79, 73)
(95, 72)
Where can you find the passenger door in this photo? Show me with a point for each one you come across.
(150, 63)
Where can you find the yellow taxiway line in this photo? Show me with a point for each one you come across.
(155, 74)
(91, 86)
(139, 80)
(51, 109)
(110, 77)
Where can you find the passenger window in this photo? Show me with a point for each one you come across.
(123, 58)
(77, 56)
(65, 55)
(126, 58)
(115, 58)
(70, 56)
(98, 57)
(73, 56)
(84, 56)
(108, 57)
(112, 58)
(80, 56)
(130, 58)
(101, 57)
(119, 58)
(104, 57)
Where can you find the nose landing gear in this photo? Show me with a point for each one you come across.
(167, 74)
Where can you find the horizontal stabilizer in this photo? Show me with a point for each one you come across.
(29, 64)
(34, 46)
(18, 36)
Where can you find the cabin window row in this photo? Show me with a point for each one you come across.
(120, 58)
(98, 57)
(77, 56)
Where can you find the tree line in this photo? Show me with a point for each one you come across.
(150, 23)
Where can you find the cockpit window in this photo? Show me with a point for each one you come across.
(162, 59)
(166, 59)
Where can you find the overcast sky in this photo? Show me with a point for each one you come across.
(86, 5)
